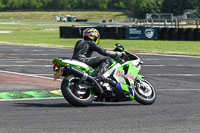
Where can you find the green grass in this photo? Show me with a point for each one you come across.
(46, 33)
(51, 38)
(52, 15)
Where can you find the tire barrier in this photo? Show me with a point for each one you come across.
(81, 20)
(181, 32)
(159, 34)
(189, 34)
(164, 33)
(105, 32)
(175, 34)
(197, 34)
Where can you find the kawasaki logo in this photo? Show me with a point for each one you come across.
(119, 73)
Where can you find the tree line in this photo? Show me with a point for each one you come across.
(138, 7)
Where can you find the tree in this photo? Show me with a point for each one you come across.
(73, 4)
(2, 6)
(170, 6)
(141, 7)
(89, 4)
(178, 7)
(119, 5)
(46, 4)
(32, 4)
(197, 5)
(11, 4)
(150, 6)
(102, 4)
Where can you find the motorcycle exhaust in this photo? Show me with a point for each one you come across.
(83, 76)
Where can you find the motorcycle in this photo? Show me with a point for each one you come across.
(80, 88)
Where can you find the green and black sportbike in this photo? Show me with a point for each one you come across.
(80, 88)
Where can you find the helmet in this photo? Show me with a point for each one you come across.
(91, 34)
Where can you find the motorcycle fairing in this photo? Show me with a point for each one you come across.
(126, 88)
(125, 76)
(74, 63)
(126, 73)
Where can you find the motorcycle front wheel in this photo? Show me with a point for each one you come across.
(74, 94)
(145, 93)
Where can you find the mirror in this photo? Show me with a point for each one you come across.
(120, 46)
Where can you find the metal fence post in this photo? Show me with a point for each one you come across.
(176, 21)
(152, 23)
(165, 23)
(197, 23)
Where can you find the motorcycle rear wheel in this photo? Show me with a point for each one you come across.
(146, 95)
(76, 97)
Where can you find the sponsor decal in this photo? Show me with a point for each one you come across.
(119, 73)
(149, 33)
(135, 31)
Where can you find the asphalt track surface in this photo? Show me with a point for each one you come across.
(177, 109)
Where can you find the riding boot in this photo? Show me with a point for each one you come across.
(100, 71)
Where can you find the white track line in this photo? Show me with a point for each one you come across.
(154, 59)
(40, 54)
(198, 89)
(30, 75)
(27, 66)
(142, 65)
(173, 74)
(26, 59)
(172, 65)
(181, 56)
(40, 74)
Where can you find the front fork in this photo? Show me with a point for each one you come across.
(140, 78)
(139, 83)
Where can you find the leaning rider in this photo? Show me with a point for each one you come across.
(84, 48)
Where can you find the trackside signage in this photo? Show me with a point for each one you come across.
(141, 33)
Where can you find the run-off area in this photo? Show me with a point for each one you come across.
(176, 79)
(167, 73)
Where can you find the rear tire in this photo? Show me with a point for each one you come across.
(146, 97)
(71, 94)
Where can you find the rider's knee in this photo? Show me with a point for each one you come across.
(109, 61)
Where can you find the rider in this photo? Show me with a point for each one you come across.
(84, 49)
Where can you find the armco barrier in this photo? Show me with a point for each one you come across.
(179, 34)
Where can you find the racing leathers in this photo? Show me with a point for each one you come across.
(83, 51)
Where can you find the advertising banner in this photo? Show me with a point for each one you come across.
(141, 33)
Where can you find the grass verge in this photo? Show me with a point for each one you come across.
(46, 33)
(38, 15)
(51, 38)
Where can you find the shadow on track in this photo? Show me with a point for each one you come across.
(61, 105)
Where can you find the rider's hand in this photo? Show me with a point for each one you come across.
(122, 54)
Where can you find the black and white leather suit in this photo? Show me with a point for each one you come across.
(83, 52)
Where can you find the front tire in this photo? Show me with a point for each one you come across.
(145, 93)
(76, 97)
